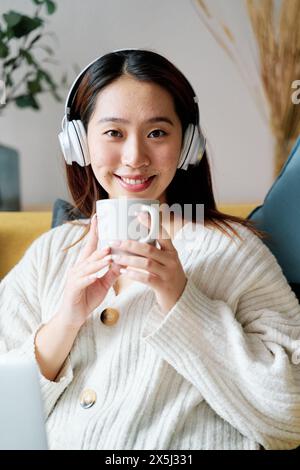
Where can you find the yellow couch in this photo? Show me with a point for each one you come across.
(19, 229)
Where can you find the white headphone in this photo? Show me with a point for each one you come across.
(73, 140)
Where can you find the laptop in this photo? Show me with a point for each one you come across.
(22, 420)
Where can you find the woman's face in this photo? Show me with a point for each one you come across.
(134, 133)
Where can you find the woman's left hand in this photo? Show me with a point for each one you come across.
(162, 269)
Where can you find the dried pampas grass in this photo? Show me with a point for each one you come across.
(277, 36)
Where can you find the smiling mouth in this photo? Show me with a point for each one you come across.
(134, 181)
(135, 184)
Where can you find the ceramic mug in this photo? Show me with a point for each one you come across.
(117, 220)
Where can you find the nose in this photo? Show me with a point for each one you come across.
(134, 152)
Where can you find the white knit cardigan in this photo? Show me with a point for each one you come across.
(218, 371)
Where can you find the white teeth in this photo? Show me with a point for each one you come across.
(130, 181)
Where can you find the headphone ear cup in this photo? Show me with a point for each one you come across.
(73, 142)
(81, 141)
(193, 147)
(198, 146)
(185, 146)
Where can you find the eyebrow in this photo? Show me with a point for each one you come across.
(125, 121)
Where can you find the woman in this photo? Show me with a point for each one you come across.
(198, 352)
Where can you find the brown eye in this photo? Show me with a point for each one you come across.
(113, 131)
(156, 131)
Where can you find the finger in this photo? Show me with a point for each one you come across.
(141, 276)
(92, 268)
(92, 240)
(97, 255)
(164, 238)
(107, 280)
(110, 277)
(144, 250)
(139, 262)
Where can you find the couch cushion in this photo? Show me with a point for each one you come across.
(17, 232)
(279, 216)
(63, 211)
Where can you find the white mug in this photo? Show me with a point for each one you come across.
(117, 220)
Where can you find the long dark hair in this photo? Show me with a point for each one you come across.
(191, 186)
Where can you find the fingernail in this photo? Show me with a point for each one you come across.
(114, 243)
(123, 270)
(94, 276)
(115, 257)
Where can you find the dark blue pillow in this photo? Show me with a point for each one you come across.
(279, 216)
(296, 289)
(63, 211)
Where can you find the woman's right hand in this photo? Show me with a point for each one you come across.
(84, 291)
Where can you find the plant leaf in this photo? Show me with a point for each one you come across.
(34, 40)
(12, 18)
(4, 51)
(37, 79)
(26, 25)
(8, 81)
(26, 101)
(34, 87)
(51, 7)
(10, 61)
(27, 56)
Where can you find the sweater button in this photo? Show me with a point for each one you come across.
(88, 398)
(109, 316)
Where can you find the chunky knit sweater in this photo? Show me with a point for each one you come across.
(220, 370)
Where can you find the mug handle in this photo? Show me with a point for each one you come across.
(154, 228)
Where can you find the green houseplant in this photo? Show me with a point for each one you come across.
(23, 77)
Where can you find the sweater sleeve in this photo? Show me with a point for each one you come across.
(21, 318)
(241, 354)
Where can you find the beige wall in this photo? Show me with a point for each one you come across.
(240, 139)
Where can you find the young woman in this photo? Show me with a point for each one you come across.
(188, 348)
